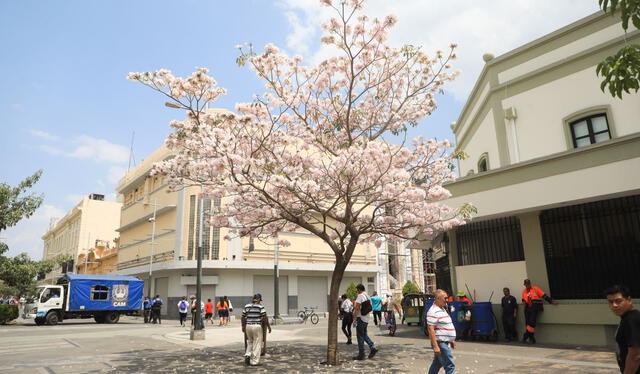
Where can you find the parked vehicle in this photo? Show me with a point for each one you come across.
(308, 313)
(103, 297)
(413, 308)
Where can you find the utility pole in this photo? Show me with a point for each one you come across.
(197, 332)
(153, 236)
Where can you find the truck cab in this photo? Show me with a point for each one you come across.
(49, 305)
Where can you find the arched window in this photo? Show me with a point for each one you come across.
(483, 163)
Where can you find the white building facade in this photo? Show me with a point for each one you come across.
(554, 171)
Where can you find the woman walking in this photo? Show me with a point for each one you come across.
(223, 311)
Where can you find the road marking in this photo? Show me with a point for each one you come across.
(540, 359)
(20, 348)
(71, 342)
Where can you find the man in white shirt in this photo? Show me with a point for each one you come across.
(346, 308)
(361, 313)
(442, 334)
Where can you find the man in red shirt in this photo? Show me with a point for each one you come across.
(532, 297)
(208, 311)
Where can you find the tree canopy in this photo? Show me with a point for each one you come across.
(621, 72)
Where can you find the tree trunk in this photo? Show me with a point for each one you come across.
(333, 357)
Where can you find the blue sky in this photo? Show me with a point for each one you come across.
(67, 108)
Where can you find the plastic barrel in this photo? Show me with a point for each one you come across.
(458, 310)
(482, 319)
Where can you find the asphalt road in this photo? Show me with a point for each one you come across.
(133, 347)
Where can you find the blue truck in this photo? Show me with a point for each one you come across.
(101, 297)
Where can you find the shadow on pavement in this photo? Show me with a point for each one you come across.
(283, 358)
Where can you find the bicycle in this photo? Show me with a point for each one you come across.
(309, 313)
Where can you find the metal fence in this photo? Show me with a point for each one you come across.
(589, 247)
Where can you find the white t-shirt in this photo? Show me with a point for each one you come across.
(183, 306)
(347, 306)
(441, 321)
(359, 300)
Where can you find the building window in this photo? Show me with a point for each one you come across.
(99, 292)
(487, 242)
(589, 247)
(590, 130)
(483, 163)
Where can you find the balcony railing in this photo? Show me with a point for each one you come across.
(158, 257)
(304, 257)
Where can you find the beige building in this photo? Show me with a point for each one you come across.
(231, 268)
(554, 171)
(91, 220)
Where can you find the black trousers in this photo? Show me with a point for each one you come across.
(155, 313)
(509, 326)
(531, 316)
(183, 318)
(147, 315)
(347, 321)
(377, 316)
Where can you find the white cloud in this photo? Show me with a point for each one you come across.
(51, 150)
(100, 150)
(26, 235)
(43, 134)
(478, 27)
(116, 173)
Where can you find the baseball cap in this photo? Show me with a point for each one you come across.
(257, 296)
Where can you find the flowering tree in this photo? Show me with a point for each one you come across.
(310, 153)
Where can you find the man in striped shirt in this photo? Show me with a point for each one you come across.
(253, 316)
(442, 334)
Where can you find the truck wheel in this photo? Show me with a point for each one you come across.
(99, 318)
(52, 318)
(39, 321)
(111, 317)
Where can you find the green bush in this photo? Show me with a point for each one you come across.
(351, 291)
(8, 313)
(410, 287)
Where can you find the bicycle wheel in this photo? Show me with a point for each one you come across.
(314, 318)
(301, 314)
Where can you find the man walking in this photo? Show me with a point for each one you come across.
(361, 313)
(376, 305)
(509, 313)
(532, 297)
(208, 311)
(253, 317)
(183, 307)
(442, 334)
(628, 334)
(146, 309)
(155, 309)
(346, 309)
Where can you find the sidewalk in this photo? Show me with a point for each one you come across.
(301, 348)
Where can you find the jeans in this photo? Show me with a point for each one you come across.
(361, 332)
(443, 360)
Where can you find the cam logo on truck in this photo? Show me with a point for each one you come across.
(120, 295)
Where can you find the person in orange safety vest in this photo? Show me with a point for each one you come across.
(463, 297)
(532, 297)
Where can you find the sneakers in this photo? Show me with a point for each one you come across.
(358, 357)
(349, 341)
(247, 360)
(373, 352)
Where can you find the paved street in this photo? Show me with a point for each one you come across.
(133, 347)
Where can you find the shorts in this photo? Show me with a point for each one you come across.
(208, 315)
(223, 313)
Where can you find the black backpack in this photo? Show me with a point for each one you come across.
(365, 307)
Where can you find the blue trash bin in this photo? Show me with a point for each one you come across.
(458, 311)
(428, 303)
(483, 320)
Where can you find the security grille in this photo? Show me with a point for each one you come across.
(589, 247)
(492, 241)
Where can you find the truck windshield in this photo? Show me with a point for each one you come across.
(49, 293)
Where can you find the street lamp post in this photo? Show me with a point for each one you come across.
(276, 284)
(197, 332)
